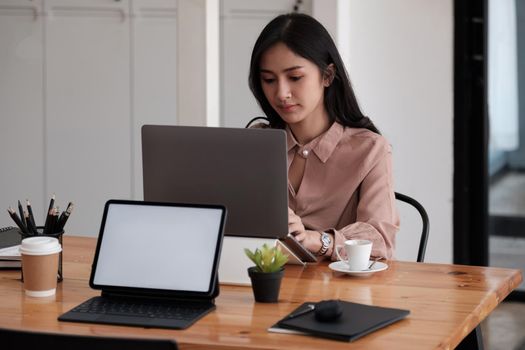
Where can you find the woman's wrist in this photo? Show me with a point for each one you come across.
(331, 248)
(326, 241)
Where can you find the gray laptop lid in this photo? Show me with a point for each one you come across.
(242, 169)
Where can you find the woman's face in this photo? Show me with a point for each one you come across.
(293, 85)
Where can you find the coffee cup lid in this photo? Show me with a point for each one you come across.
(40, 246)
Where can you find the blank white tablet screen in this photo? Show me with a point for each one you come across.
(158, 247)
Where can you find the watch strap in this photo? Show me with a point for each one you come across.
(326, 240)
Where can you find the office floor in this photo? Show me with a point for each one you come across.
(507, 198)
(504, 329)
(507, 194)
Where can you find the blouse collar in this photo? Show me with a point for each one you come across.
(323, 145)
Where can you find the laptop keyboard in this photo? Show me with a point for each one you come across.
(164, 310)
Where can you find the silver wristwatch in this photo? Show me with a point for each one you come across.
(326, 241)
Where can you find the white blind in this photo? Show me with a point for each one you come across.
(502, 75)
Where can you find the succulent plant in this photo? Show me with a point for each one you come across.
(267, 259)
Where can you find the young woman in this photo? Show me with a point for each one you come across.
(339, 166)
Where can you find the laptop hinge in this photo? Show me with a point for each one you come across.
(156, 297)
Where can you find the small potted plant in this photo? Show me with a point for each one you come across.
(267, 273)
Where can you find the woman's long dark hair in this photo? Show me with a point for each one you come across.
(306, 37)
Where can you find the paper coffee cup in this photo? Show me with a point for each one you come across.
(40, 265)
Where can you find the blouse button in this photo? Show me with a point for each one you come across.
(305, 153)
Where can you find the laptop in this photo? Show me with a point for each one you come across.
(243, 169)
(155, 263)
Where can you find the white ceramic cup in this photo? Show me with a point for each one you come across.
(357, 253)
(40, 265)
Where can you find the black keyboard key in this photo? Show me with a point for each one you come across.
(168, 310)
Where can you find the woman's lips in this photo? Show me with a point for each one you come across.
(288, 108)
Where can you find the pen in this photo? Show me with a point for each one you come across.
(16, 219)
(309, 308)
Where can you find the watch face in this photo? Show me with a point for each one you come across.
(325, 240)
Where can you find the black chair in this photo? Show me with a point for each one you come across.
(424, 218)
(18, 339)
(255, 119)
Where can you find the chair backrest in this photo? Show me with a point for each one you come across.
(425, 222)
(18, 339)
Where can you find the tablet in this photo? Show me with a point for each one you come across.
(298, 249)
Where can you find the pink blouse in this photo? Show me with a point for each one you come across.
(347, 187)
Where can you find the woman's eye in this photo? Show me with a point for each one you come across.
(268, 80)
(295, 78)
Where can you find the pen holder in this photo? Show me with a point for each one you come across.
(57, 235)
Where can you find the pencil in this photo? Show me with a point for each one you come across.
(49, 213)
(47, 225)
(51, 202)
(22, 216)
(30, 212)
(64, 217)
(54, 221)
(16, 219)
(30, 228)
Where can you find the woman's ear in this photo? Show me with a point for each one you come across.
(329, 75)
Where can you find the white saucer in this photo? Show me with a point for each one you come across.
(341, 266)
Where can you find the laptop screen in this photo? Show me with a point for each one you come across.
(167, 247)
(242, 169)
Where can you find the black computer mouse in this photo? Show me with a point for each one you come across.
(328, 310)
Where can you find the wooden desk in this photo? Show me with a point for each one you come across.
(446, 303)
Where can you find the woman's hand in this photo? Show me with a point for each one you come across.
(311, 240)
(295, 224)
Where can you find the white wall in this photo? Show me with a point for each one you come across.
(77, 80)
(401, 67)
(198, 62)
(241, 23)
(400, 55)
